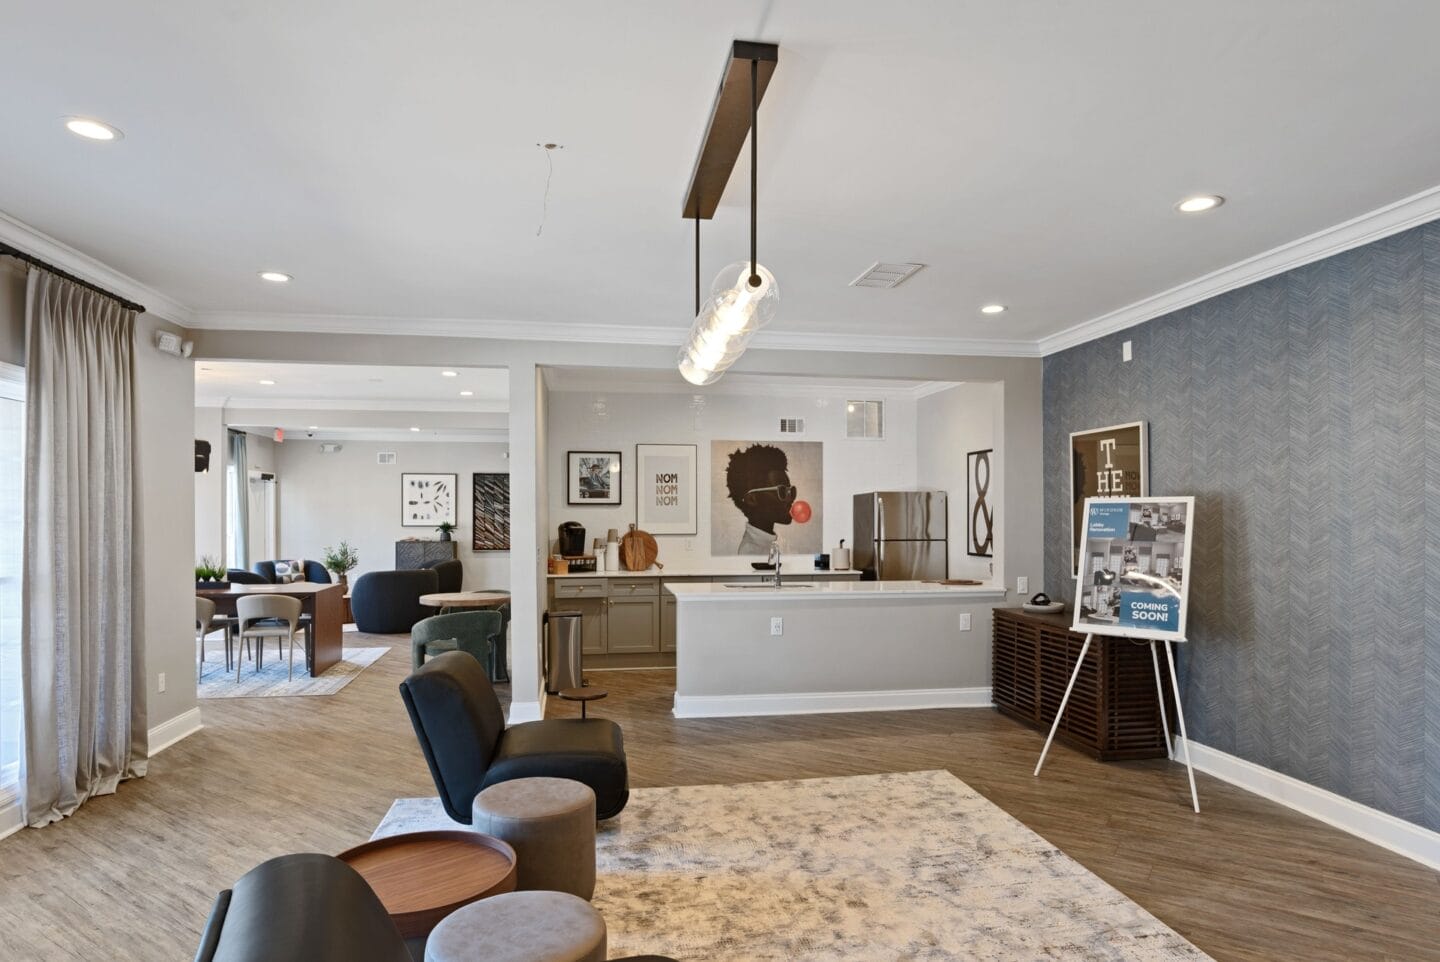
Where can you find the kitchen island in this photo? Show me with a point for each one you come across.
(842, 646)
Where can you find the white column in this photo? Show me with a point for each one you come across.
(528, 541)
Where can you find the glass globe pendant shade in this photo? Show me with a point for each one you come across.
(727, 321)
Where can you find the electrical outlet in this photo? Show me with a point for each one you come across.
(777, 626)
(162, 681)
(1022, 585)
(1125, 352)
(964, 621)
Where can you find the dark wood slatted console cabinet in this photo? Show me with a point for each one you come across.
(1113, 712)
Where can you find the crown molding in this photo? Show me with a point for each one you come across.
(19, 234)
(360, 324)
(1391, 219)
(241, 402)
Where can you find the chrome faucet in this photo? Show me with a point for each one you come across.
(774, 559)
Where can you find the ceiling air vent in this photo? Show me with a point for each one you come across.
(384, 457)
(792, 425)
(886, 276)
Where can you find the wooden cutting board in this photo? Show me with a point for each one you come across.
(638, 549)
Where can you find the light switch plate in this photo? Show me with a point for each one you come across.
(161, 682)
(1022, 585)
(964, 621)
(1125, 353)
(777, 626)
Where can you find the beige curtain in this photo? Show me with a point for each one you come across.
(82, 658)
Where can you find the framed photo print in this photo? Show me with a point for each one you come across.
(979, 511)
(1108, 462)
(593, 477)
(490, 523)
(427, 500)
(665, 487)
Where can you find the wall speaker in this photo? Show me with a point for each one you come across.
(202, 456)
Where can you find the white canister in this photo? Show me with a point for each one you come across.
(840, 558)
(612, 556)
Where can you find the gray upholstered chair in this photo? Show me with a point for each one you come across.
(449, 575)
(315, 572)
(206, 622)
(239, 576)
(500, 664)
(269, 616)
(388, 602)
(478, 632)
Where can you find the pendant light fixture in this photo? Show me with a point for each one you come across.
(744, 296)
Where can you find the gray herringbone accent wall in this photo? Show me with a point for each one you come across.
(1303, 412)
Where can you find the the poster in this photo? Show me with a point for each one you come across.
(1106, 463)
(665, 487)
(490, 522)
(1133, 554)
(594, 477)
(763, 493)
(427, 500)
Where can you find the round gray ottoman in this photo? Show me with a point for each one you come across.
(550, 822)
(520, 927)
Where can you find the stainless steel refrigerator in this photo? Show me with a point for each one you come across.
(901, 536)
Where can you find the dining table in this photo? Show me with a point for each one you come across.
(324, 603)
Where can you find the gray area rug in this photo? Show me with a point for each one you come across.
(270, 681)
(875, 867)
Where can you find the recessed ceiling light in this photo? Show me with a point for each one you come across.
(467, 393)
(266, 381)
(313, 427)
(993, 309)
(92, 129)
(449, 373)
(414, 429)
(275, 277)
(1199, 203)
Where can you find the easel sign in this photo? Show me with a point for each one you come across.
(1133, 556)
(1132, 584)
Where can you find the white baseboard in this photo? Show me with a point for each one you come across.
(527, 711)
(1371, 824)
(809, 703)
(167, 733)
(10, 819)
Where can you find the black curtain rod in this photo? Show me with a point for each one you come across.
(7, 251)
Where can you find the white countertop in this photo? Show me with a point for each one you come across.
(786, 571)
(840, 590)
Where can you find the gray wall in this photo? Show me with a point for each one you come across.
(949, 425)
(1303, 412)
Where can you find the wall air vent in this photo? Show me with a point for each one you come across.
(385, 457)
(792, 425)
(886, 276)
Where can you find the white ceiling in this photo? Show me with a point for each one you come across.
(1028, 151)
(595, 380)
(321, 387)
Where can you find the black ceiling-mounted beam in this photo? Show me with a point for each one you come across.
(729, 125)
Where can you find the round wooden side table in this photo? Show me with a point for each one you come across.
(584, 696)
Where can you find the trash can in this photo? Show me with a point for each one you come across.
(562, 651)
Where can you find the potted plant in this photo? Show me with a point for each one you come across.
(444, 528)
(209, 576)
(341, 560)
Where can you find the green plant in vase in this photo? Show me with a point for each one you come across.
(341, 560)
(209, 570)
(445, 527)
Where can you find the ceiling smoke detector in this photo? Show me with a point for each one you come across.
(886, 276)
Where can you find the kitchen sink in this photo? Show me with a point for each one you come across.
(782, 587)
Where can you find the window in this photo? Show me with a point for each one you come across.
(864, 419)
(12, 519)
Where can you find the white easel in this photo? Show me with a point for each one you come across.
(1160, 700)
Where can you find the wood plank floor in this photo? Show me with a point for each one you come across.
(132, 876)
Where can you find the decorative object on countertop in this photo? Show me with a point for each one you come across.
(490, 513)
(840, 558)
(822, 562)
(599, 550)
(638, 550)
(979, 512)
(612, 556)
(585, 564)
(209, 575)
(665, 488)
(1106, 463)
(957, 582)
(571, 540)
(593, 477)
(763, 493)
(445, 528)
(1040, 604)
(762, 566)
(427, 499)
(341, 560)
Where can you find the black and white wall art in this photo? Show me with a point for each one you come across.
(979, 509)
(764, 493)
(490, 522)
(1105, 463)
(592, 477)
(427, 500)
(665, 488)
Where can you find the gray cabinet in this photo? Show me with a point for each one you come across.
(667, 622)
(593, 638)
(421, 554)
(633, 624)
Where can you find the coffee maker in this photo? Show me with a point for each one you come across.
(572, 539)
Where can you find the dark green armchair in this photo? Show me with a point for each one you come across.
(481, 633)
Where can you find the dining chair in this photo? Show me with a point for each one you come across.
(268, 616)
(207, 621)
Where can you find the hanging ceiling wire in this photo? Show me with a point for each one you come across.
(549, 173)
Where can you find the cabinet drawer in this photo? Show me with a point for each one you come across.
(634, 587)
(587, 588)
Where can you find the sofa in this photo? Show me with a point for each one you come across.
(315, 572)
(388, 602)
